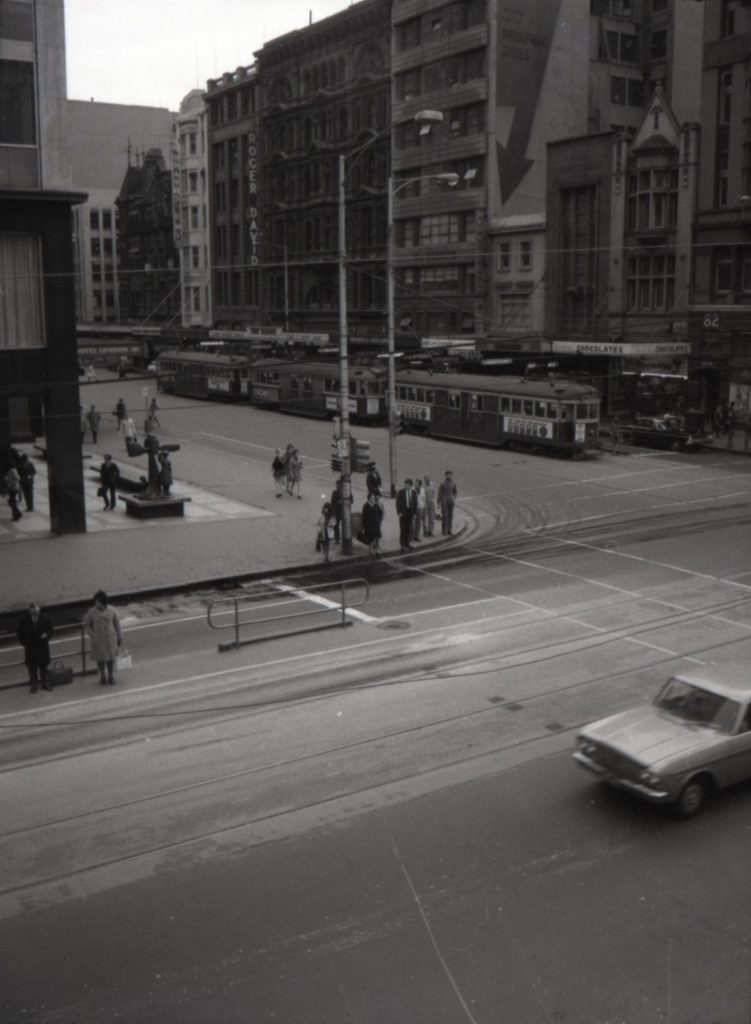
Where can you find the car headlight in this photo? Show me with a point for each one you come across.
(650, 779)
(587, 747)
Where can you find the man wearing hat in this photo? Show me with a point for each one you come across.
(34, 630)
(447, 499)
(373, 480)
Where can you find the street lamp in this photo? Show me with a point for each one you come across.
(452, 180)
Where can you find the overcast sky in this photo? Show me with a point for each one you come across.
(153, 52)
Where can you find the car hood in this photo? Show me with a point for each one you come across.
(649, 735)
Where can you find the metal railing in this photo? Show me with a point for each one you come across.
(285, 596)
(12, 653)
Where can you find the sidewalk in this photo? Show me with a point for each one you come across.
(218, 539)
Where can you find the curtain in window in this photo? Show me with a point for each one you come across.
(21, 318)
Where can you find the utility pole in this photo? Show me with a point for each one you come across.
(346, 480)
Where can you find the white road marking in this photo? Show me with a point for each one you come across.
(325, 602)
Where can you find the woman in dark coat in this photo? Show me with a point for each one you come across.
(34, 630)
(372, 517)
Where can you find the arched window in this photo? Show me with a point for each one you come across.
(316, 80)
(343, 123)
(341, 70)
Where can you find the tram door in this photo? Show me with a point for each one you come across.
(465, 411)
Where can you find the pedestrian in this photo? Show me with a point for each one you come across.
(717, 421)
(323, 540)
(279, 472)
(429, 491)
(731, 418)
(94, 417)
(109, 475)
(13, 492)
(103, 627)
(153, 413)
(91, 374)
(27, 472)
(294, 473)
(34, 631)
(372, 518)
(418, 523)
(406, 508)
(614, 434)
(83, 425)
(128, 431)
(121, 412)
(336, 510)
(165, 473)
(447, 499)
(288, 453)
(373, 479)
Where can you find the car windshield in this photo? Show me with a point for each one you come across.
(694, 704)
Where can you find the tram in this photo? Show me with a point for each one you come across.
(204, 375)
(538, 414)
(312, 389)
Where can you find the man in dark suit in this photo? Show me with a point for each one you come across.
(34, 630)
(406, 508)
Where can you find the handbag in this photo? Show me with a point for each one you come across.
(58, 674)
(123, 660)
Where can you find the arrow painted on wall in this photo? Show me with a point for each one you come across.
(525, 35)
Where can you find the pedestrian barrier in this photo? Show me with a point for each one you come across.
(249, 610)
(68, 642)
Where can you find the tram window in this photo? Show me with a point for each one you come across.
(489, 403)
(429, 395)
(411, 394)
(594, 410)
(516, 405)
(331, 384)
(567, 411)
(455, 399)
(307, 385)
(505, 404)
(420, 394)
(541, 409)
(552, 410)
(474, 403)
(582, 410)
(294, 383)
(400, 392)
(528, 407)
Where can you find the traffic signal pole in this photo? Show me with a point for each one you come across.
(346, 482)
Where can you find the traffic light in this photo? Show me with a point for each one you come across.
(336, 458)
(359, 455)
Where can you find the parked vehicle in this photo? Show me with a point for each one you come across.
(672, 433)
(694, 738)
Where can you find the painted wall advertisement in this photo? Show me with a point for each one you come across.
(253, 197)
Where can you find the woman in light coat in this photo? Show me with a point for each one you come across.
(106, 634)
(294, 473)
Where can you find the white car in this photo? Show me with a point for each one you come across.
(694, 738)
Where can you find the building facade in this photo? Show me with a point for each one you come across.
(104, 138)
(38, 358)
(190, 210)
(147, 257)
(325, 91)
(232, 105)
(720, 320)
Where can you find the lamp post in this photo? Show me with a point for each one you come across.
(451, 179)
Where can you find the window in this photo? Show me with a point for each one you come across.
(650, 282)
(635, 96)
(17, 21)
(658, 45)
(621, 47)
(192, 143)
(194, 222)
(514, 310)
(107, 220)
(725, 104)
(193, 181)
(723, 270)
(94, 220)
(618, 90)
(504, 257)
(653, 200)
(21, 317)
(195, 254)
(439, 229)
(727, 24)
(525, 256)
(17, 103)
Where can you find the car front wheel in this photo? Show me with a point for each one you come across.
(691, 799)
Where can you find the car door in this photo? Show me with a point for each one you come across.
(732, 757)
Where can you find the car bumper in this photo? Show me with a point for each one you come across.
(654, 796)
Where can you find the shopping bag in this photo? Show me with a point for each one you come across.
(123, 660)
(58, 674)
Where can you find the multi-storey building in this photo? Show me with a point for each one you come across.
(720, 323)
(325, 93)
(38, 359)
(103, 138)
(148, 260)
(190, 209)
(232, 104)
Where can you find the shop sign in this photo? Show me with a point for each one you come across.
(218, 384)
(623, 348)
(447, 343)
(413, 412)
(526, 428)
(655, 365)
(253, 197)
